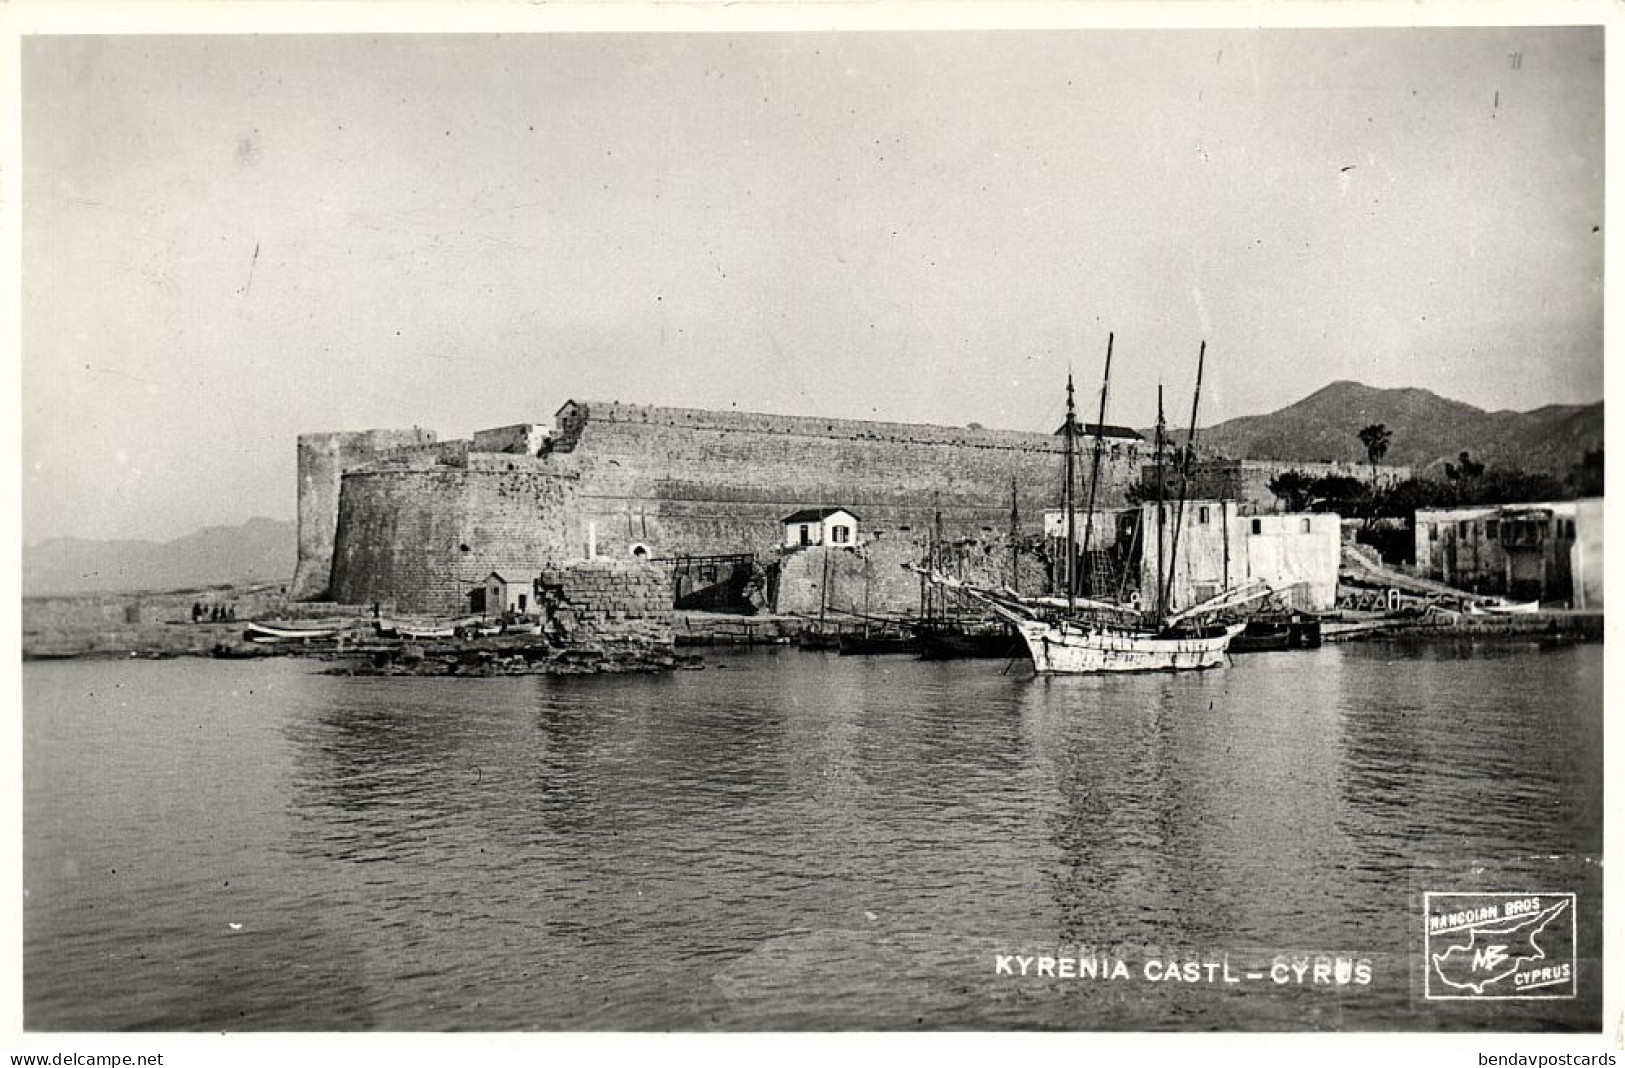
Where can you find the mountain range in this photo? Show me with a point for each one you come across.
(260, 550)
(1427, 431)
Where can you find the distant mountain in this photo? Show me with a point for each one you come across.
(260, 550)
(1427, 430)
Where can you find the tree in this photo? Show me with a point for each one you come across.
(1345, 495)
(1585, 477)
(1293, 488)
(1376, 438)
(1468, 471)
(1404, 498)
(1511, 486)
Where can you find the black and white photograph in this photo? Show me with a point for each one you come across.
(743, 525)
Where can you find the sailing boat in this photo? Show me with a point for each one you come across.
(1076, 635)
(979, 637)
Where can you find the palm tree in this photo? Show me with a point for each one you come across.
(1376, 439)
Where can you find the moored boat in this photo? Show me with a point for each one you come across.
(1271, 635)
(1071, 648)
(415, 631)
(878, 644)
(949, 642)
(277, 633)
(1078, 635)
(1510, 608)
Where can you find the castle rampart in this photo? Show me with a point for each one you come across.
(420, 522)
(323, 458)
(419, 538)
(684, 481)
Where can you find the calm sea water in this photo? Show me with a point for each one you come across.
(793, 840)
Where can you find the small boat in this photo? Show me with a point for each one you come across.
(276, 633)
(1270, 635)
(950, 642)
(1510, 608)
(425, 633)
(878, 644)
(416, 631)
(819, 638)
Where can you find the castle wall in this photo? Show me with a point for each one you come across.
(681, 481)
(420, 538)
(871, 580)
(1256, 476)
(323, 458)
(674, 481)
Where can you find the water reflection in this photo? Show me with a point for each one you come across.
(781, 840)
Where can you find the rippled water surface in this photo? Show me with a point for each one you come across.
(792, 840)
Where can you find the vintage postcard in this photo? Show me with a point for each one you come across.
(809, 519)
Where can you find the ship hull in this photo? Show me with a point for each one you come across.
(995, 645)
(1068, 649)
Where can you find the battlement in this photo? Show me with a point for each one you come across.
(575, 416)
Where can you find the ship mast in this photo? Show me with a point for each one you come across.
(1185, 475)
(1067, 502)
(1094, 467)
(939, 555)
(1160, 494)
(1015, 533)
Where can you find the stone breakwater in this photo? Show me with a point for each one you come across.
(594, 617)
(585, 602)
(598, 617)
(518, 656)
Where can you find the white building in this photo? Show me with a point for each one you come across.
(504, 595)
(1542, 550)
(1298, 554)
(820, 526)
(1102, 531)
(526, 439)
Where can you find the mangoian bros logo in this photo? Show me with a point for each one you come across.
(1484, 946)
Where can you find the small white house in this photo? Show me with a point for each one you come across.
(820, 526)
(502, 595)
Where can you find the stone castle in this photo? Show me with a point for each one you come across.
(401, 518)
(398, 517)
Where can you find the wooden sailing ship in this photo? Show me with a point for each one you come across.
(1085, 635)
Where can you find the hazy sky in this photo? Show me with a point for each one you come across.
(230, 240)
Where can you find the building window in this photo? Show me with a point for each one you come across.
(840, 535)
(1258, 526)
(1568, 529)
(1433, 532)
(1461, 528)
(1202, 515)
(1303, 525)
(1492, 528)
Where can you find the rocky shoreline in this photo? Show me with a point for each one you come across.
(473, 660)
